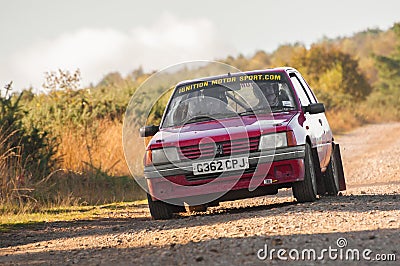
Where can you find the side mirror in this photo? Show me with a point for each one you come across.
(315, 108)
(148, 131)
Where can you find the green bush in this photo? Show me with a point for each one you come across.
(27, 153)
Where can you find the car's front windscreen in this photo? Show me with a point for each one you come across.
(229, 97)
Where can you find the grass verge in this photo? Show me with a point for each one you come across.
(11, 221)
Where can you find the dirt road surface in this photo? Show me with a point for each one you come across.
(364, 218)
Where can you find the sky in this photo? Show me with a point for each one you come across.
(99, 37)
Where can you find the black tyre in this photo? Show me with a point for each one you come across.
(159, 210)
(331, 177)
(306, 190)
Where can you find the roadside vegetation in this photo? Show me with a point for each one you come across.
(63, 147)
(67, 213)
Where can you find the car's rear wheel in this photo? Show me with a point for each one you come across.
(332, 176)
(159, 210)
(306, 190)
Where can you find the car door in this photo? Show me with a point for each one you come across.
(314, 123)
(328, 136)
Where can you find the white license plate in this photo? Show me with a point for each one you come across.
(223, 165)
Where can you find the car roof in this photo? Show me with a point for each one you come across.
(260, 71)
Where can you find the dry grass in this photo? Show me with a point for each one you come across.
(101, 148)
(66, 188)
(342, 121)
(365, 113)
(135, 148)
(97, 172)
(14, 181)
(93, 171)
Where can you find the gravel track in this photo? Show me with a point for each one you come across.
(366, 215)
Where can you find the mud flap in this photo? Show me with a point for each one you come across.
(342, 181)
(320, 176)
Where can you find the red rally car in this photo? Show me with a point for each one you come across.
(240, 135)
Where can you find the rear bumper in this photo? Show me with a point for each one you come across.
(174, 181)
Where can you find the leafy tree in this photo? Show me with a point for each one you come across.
(260, 60)
(389, 67)
(136, 73)
(334, 75)
(111, 80)
(284, 54)
(389, 76)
